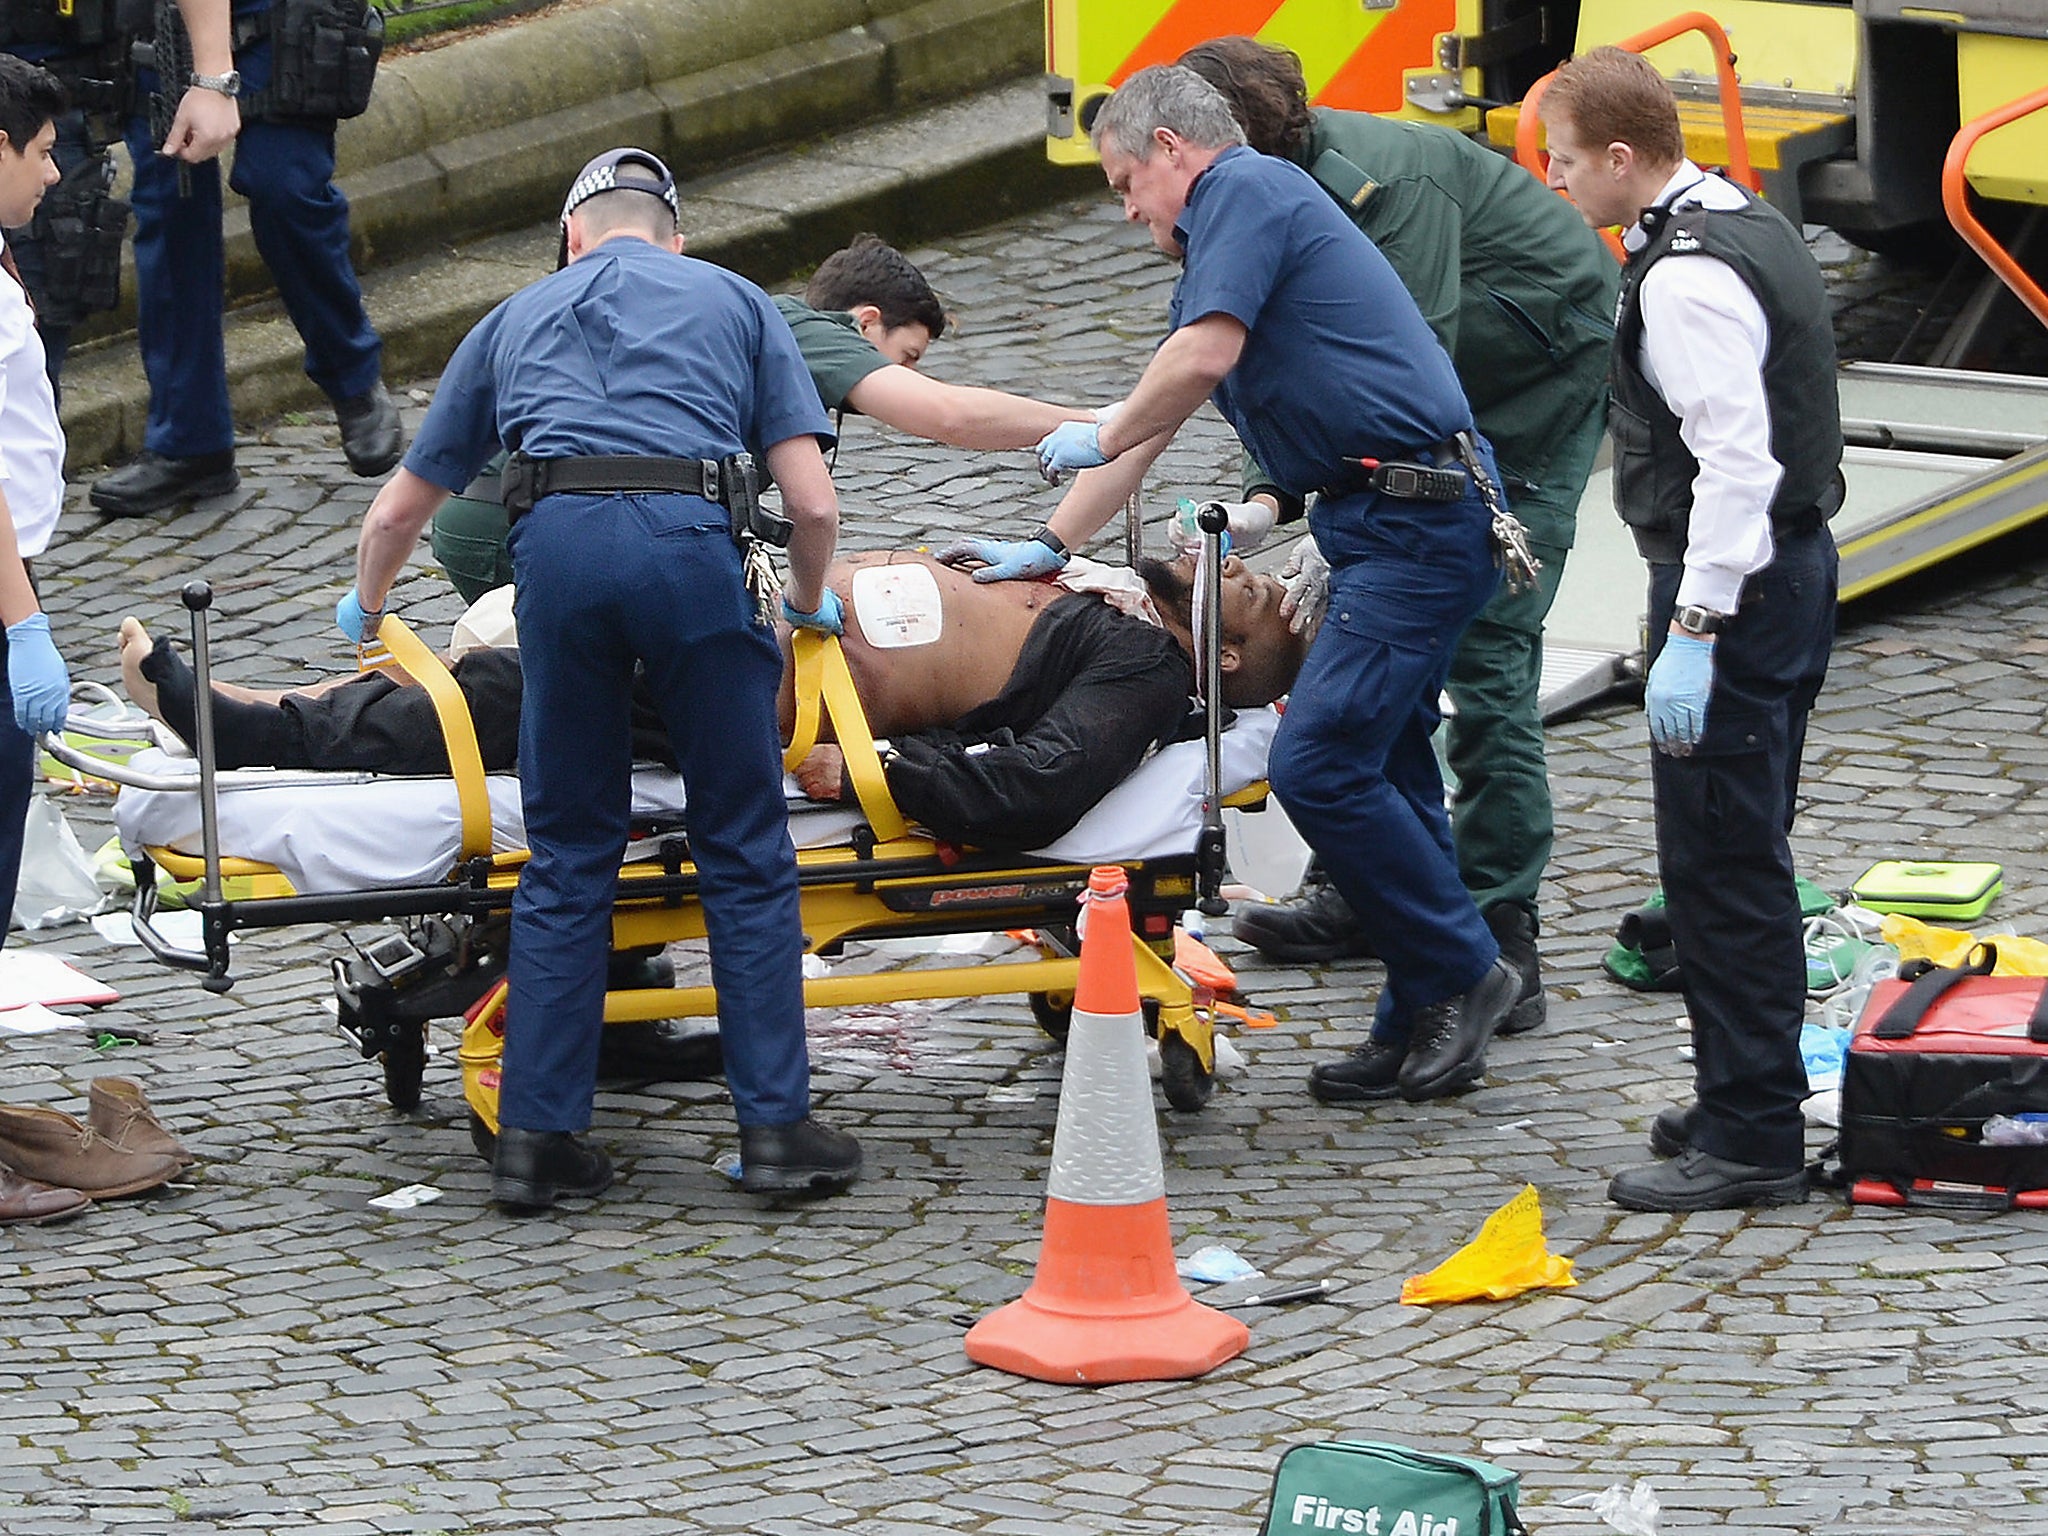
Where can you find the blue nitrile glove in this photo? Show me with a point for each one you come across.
(356, 621)
(36, 676)
(1675, 695)
(1006, 559)
(830, 617)
(1068, 446)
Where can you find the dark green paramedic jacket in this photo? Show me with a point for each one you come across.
(1517, 288)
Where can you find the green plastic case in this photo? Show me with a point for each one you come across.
(1926, 889)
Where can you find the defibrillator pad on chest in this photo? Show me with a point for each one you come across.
(898, 606)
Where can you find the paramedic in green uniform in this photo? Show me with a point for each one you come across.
(1521, 294)
(865, 321)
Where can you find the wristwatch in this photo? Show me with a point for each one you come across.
(1695, 620)
(229, 84)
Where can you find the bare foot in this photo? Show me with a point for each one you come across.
(135, 646)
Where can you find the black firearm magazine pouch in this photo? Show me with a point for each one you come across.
(1932, 1058)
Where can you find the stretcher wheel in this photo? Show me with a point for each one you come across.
(482, 1137)
(405, 1065)
(1054, 1012)
(1182, 1077)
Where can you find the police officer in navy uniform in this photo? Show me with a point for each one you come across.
(1727, 464)
(1290, 319)
(284, 166)
(632, 367)
(70, 256)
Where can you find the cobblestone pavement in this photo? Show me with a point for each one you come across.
(260, 1351)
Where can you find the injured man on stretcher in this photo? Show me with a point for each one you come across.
(1011, 708)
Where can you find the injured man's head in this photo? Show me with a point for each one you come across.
(1261, 654)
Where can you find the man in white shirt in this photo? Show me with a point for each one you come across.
(1728, 446)
(31, 494)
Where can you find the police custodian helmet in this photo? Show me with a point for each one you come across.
(618, 170)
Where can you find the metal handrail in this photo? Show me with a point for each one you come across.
(1955, 198)
(1533, 160)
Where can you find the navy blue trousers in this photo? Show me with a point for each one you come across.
(17, 784)
(300, 221)
(1352, 763)
(604, 582)
(1724, 813)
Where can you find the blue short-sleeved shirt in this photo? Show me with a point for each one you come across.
(630, 349)
(1338, 362)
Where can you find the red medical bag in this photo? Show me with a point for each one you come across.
(1930, 1061)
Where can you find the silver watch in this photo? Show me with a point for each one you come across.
(1695, 620)
(229, 84)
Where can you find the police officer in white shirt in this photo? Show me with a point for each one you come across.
(31, 461)
(1727, 465)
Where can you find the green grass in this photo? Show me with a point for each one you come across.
(404, 24)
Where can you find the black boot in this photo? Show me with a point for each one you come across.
(1316, 925)
(1366, 1074)
(154, 483)
(1447, 1049)
(800, 1158)
(1671, 1131)
(1698, 1181)
(371, 437)
(1514, 929)
(531, 1170)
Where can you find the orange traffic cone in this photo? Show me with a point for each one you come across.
(1106, 1304)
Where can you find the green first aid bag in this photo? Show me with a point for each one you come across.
(1371, 1488)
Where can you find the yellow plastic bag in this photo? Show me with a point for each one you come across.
(1507, 1258)
(1915, 940)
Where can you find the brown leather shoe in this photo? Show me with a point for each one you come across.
(120, 1114)
(49, 1146)
(24, 1202)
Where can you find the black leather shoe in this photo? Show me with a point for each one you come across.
(1367, 1073)
(802, 1158)
(1671, 1131)
(1315, 926)
(1514, 929)
(154, 482)
(1698, 1181)
(531, 1170)
(371, 436)
(1447, 1047)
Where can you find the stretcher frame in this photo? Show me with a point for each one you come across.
(448, 961)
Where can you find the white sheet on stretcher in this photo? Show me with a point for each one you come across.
(382, 833)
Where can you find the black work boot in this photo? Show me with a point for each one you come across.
(801, 1158)
(1699, 1181)
(1366, 1074)
(1316, 925)
(1447, 1049)
(154, 483)
(1671, 1131)
(1514, 929)
(371, 437)
(531, 1170)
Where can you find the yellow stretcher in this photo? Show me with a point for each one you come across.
(444, 957)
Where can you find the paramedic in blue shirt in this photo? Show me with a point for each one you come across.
(1294, 324)
(635, 350)
(1727, 464)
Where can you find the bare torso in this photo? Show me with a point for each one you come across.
(917, 687)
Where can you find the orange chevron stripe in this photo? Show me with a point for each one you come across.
(1370, 80)
(1190, 22)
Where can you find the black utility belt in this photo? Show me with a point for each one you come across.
(1430, 474)
(731, 482)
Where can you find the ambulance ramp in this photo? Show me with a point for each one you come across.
(1939, 461)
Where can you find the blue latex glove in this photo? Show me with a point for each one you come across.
(830, 617)
(1005, 559)
(356, 621)
(36, 676)
(1070, 445)
(1675, 694)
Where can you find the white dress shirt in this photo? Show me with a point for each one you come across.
(31, 441)
(1703, 347)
